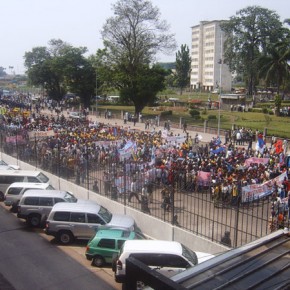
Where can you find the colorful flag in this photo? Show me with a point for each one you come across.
(260, 146)
(278, 146)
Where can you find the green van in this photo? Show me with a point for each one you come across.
(106, 244)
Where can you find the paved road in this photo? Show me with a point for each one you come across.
(175, 128)
(31, 260)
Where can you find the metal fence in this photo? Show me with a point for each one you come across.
(181, 202)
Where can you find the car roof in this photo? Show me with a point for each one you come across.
(77, 207)
(45, 193)
(152, 246)
(6, 167)
(29, 184)
(19, 172)
(114, 233)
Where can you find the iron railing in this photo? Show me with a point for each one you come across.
(181, 202)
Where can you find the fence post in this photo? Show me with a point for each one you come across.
(88, 176)
(125, 181)
(236, 225)
(265, 133)
(35, 149)
(205, 126)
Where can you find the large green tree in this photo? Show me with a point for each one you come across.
(2, 71)
(248, 35)
(183, 62)
(61, 68)
(132, 38)
(273, 66)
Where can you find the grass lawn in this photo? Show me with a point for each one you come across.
(278, 126)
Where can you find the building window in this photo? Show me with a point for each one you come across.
(209, 29)
(195, 32)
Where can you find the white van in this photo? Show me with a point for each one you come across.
(68, 221)
(35, 205)
(113, 98)
(16, 190)
(7, 177)
(167, 257)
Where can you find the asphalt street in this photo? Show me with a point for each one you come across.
(31, 260)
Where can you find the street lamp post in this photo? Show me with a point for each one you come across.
(96, 94)
(220, 91)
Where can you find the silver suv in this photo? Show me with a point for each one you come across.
(35, 205)
(16, 190)
(68, 221)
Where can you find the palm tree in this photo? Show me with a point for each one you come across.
(273, 66)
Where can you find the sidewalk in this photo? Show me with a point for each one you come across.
(206, 137)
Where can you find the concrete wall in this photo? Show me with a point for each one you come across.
(149, 225)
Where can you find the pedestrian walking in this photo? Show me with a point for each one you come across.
(184, 127)
(96, 187)
(133, 191)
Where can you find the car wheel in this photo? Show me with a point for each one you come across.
(14, 207)
(98, 261)
(34, 220)
(65, 237)
(1, 196)
(114, 263)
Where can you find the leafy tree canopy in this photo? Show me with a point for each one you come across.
(248, 35)
(2, 71)
(183, 63)
(61, 68)
(132, 38)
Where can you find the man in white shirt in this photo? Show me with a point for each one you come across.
(133, 191)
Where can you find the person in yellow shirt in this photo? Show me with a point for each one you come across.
(234, 194)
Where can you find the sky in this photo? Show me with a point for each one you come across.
(26, 24)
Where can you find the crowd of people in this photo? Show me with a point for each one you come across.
(158, 156)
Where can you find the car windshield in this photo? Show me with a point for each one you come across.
(105, 214)
(70, 198)
(43, 178)
(189, 254)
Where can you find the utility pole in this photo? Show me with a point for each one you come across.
(96, 94)
(220, 92)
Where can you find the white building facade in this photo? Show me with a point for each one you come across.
(208, 71)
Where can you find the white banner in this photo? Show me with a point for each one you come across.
(40, 134)
(256, 191)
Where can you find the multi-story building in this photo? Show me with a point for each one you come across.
(208, 72)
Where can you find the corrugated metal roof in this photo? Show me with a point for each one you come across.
(263, 264)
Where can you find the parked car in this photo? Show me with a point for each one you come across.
(7, 177)
(69, 221)
(107, 243)
(167, 257)
(35, 205)
(5, 166)
(16, 190)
